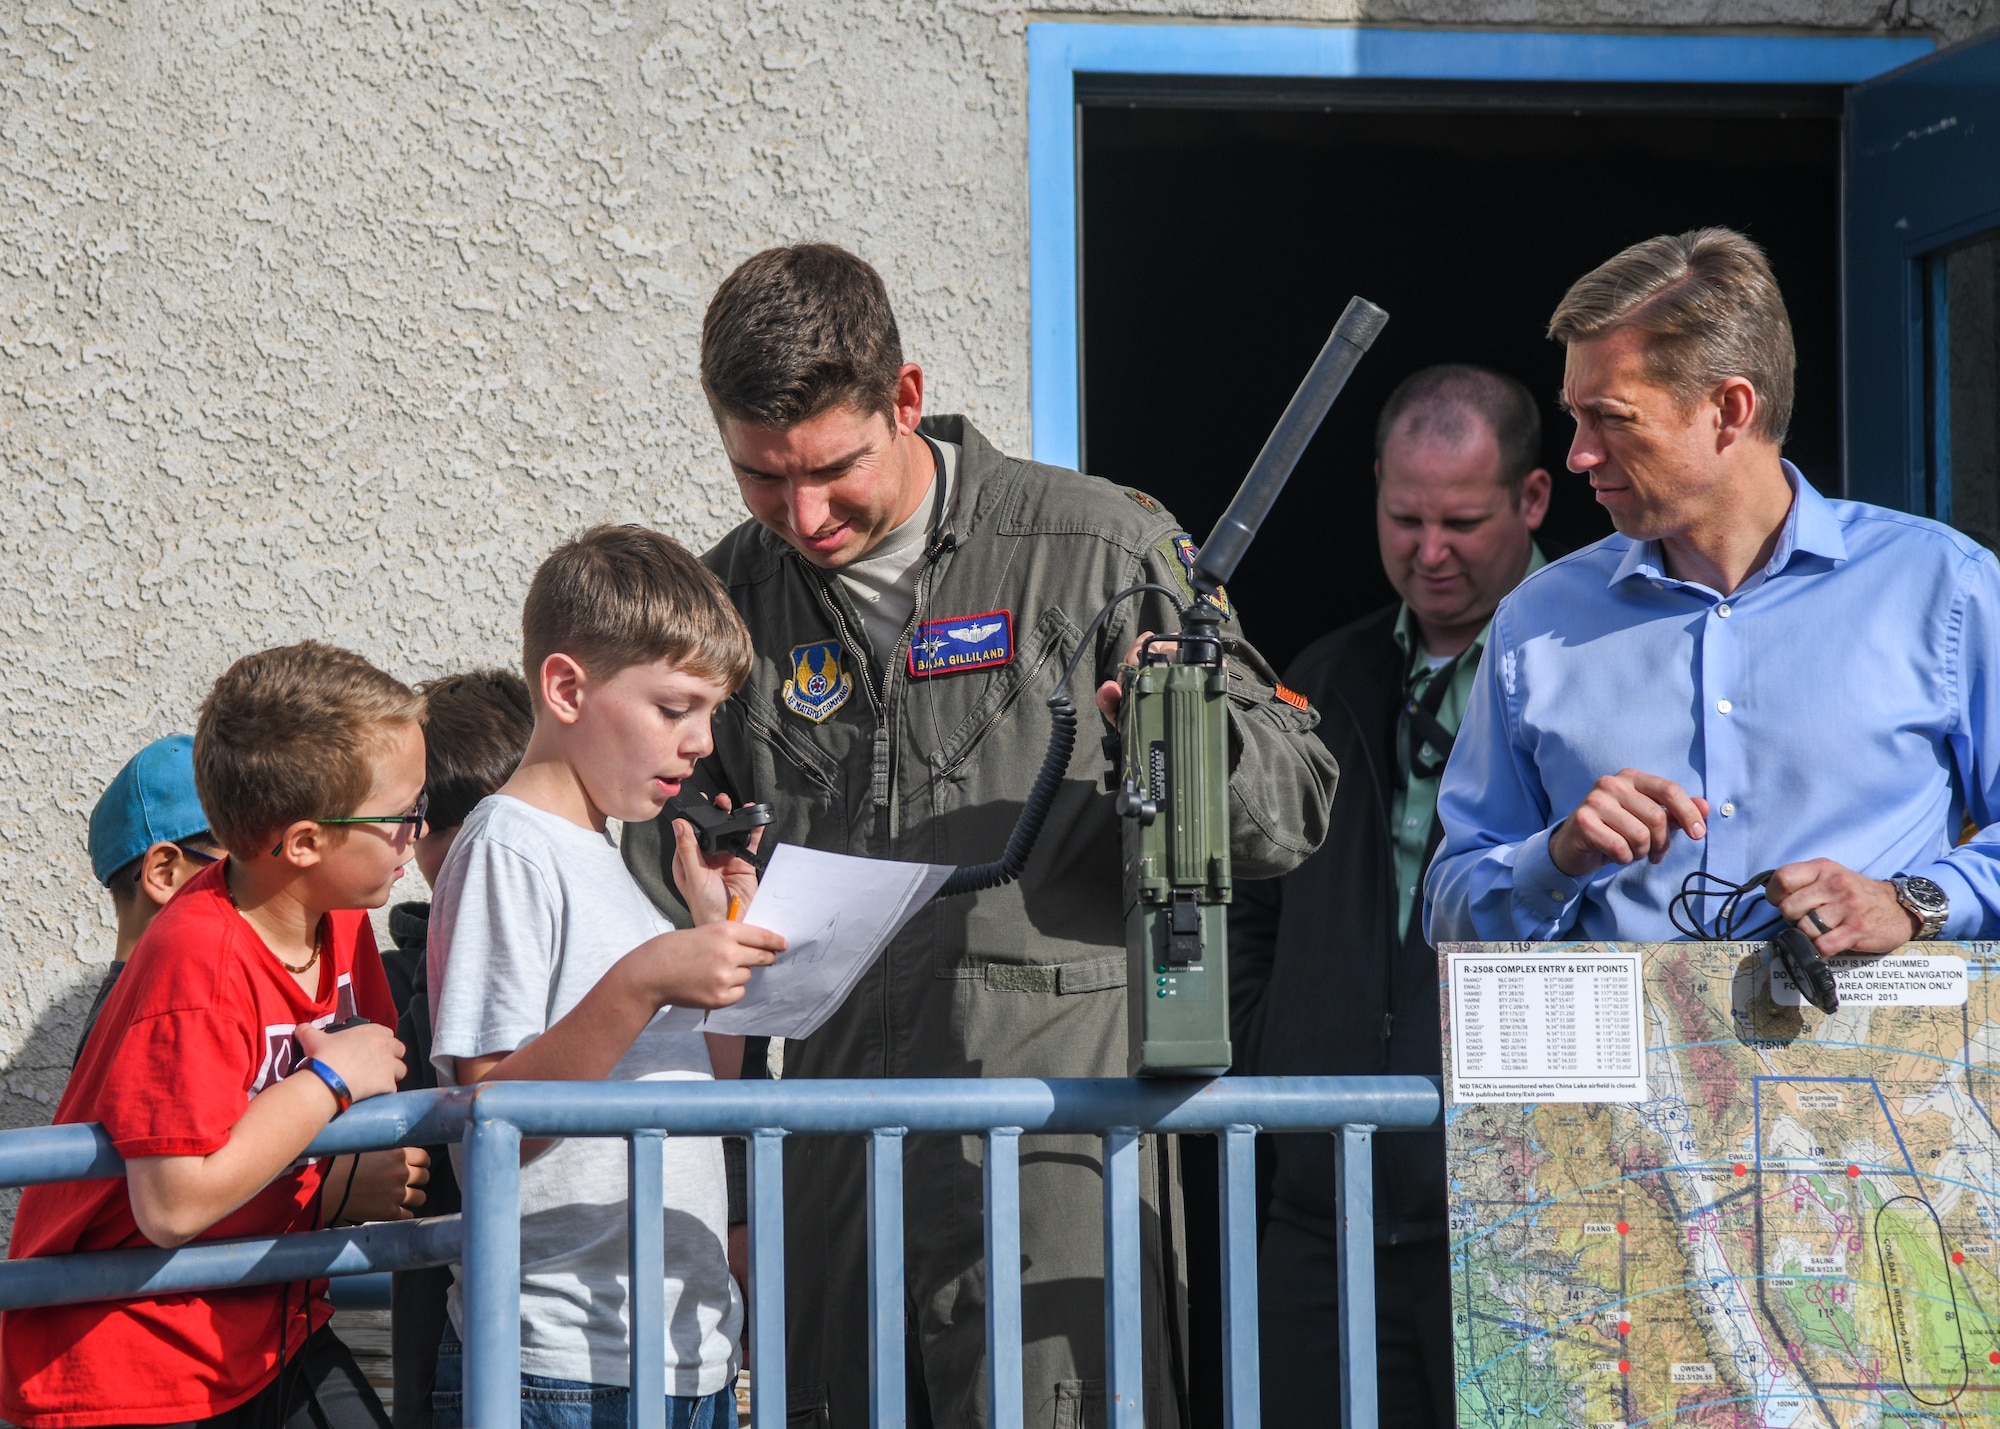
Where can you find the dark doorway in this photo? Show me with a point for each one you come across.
(1226, 224)
(1224, 228)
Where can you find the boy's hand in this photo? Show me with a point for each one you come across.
(369, 1059)
(387, 1185)
(707, 966)
(709, 881)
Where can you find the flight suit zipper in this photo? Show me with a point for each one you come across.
(881, 787)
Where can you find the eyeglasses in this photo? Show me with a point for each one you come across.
(415, 820)
(197, 855)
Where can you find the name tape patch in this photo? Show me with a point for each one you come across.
(962, 642)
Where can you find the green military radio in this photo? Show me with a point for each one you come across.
(1170, 764)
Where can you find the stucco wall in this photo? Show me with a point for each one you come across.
(327, 318)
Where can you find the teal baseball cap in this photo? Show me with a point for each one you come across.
(151, 800)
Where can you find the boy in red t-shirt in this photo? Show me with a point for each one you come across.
(211, 1072)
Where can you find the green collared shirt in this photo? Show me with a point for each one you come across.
(1413, 803)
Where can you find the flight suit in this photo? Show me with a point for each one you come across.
(1026, 980)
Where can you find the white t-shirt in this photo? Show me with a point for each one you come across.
(530, 911)
(883, 583)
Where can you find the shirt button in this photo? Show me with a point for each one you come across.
(1723, 706)
(1728, 811)
(1723, 610)
(1409, 823)
(1554, 896)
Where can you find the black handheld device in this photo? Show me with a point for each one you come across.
(1786, 946)
(299, 1052)
(723, 830)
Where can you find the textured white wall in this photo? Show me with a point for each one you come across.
(329, 318)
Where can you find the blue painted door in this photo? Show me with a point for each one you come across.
(1921, 250)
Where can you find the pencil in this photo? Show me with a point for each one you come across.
(735, 908)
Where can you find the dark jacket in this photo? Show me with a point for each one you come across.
(1322, 981)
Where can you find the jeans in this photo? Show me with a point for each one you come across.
(548, 1403)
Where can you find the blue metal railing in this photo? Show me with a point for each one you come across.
(493, 1119)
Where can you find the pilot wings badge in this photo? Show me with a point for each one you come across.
(962, 642)
(818, 685)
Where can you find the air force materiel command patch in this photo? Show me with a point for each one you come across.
(818, 685)
(962, 642)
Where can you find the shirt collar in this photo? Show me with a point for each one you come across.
(1810, 528)
(1411, 641)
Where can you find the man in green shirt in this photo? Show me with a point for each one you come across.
(1330, 971)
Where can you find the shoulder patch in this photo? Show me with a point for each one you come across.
(818, 685)
(1189, 553)
(1143, 499)
(1293, 698)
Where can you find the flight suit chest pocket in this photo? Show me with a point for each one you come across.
(1036, 666)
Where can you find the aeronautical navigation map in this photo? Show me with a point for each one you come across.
(1680, 1194)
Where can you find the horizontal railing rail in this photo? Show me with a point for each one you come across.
(491, 1120)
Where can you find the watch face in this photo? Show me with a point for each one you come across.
(1924, 895)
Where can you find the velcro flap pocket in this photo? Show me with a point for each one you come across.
(1091, 975)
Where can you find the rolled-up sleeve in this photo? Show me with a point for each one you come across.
(1492, 879)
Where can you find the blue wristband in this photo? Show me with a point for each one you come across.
(343, 1098)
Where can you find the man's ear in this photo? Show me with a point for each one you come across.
(561, 686)
(1737, 405)
(909, 398)
(1533, 498)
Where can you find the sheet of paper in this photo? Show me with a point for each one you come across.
(1899, 980)
(836, 914)
(1547, 1027)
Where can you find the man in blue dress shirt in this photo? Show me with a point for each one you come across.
(1746, 676)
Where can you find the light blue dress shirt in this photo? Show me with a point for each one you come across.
(1843, 703)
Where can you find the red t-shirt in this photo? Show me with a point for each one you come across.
(200, 1022)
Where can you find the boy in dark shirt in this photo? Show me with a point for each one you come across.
(475, 728)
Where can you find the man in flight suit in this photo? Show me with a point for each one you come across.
(913, 595)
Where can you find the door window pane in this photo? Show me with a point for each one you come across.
(1964, 303)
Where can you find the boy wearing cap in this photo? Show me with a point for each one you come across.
(148, 836)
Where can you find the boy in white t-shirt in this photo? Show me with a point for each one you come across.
(547, 962)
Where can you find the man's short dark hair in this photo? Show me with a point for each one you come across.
(476, 729)
(1441, 403)
(796, 331)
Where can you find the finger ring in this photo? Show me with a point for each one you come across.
(1812, 916)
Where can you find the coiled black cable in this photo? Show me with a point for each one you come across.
(979, 877)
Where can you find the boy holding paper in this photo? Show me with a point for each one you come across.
(547, 962)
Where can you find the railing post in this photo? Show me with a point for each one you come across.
(1003, 1278)
(885, 1278)
(767, 1278)
(1124, 1347)
(1357, 1277)
(492, 1301)
(647, 1304)
(1241, 1392)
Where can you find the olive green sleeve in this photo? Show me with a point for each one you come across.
(1282, 778)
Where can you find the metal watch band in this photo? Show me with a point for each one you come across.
(1930, 921)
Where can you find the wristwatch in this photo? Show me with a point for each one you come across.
(1925, 899)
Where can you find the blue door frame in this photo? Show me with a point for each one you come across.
(1059, 52)
(1922, 172)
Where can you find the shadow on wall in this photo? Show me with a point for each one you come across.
(39, 1069)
